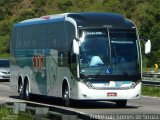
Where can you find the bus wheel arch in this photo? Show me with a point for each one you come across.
(66, 93)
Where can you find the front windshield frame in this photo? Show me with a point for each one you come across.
(109, 66)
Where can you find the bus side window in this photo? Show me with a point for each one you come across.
(52, 35)
(61, 37)
(70, 35)
(70, 31)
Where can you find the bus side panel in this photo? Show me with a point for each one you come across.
(51, 72)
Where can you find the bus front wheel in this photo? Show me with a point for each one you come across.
(66, 98)
(121, 103)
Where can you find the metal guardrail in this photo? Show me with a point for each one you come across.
(147, 74)
(40, 111)
(151, 79)
(151, 83)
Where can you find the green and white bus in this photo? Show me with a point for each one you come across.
(77, 56)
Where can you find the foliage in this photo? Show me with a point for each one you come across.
(64, 5)
(151, 91)
(25, 15)
(7, 114)
(145, 14)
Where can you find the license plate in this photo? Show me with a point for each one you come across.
(111, 94)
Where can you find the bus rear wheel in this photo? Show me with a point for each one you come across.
(26, 91)
(24, 94)
(21, 91)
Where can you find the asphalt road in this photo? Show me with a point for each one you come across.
(146, 105)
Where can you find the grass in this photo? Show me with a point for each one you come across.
(151, 91)
(147, 69)
(7, 114)
(7, 56)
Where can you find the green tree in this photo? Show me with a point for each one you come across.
(145, 14)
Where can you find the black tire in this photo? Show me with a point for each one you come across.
(66, 99)
(21, 92)
(121, 103)
(26, 91)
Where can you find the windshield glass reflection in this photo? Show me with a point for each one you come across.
(124, 52)
(115, 53)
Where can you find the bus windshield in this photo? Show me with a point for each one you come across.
(109, 52)
(124, 52)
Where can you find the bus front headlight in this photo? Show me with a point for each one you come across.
(133, 85)
(87, 83)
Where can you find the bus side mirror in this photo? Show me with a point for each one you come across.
(75, 47)
(148, 47)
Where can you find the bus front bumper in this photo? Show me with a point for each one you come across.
(85, 93)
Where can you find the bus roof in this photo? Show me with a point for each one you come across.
(101, 20)
(85, 20)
